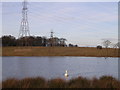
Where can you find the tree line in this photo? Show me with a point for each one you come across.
(9, 40)
(23, 41)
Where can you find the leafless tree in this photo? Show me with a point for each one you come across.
(113, 45)
(118, 44)
(106, 43)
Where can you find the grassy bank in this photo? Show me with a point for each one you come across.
(80, 82)
(59, 51)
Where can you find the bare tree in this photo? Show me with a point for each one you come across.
(118, 44)
(115, 45)
(106, 43)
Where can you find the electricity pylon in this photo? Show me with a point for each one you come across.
(24, 28)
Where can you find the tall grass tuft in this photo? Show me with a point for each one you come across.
(57, 83)
(33, 83)
(108, 82)
(79, 82)
(10, 83)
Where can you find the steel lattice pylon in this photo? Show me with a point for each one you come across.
(24, 28)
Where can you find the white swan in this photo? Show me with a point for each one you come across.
(66, 73)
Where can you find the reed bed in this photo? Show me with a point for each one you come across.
(80, 82)
(60, 51)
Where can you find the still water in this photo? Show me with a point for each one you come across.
(53, 67)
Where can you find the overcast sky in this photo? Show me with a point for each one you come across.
(82, 23)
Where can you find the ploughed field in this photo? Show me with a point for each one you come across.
(60, 51)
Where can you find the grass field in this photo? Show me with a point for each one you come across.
(80, 82)
(60, 51)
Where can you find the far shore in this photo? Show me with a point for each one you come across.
(60, 51)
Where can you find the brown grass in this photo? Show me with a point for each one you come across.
(60, 51)
(57, 83)
(80, 82)
(0, 85)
